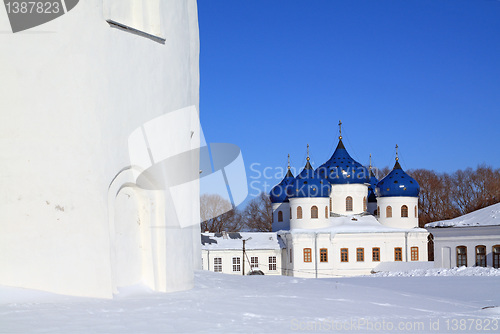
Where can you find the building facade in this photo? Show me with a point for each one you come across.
(469, 240)
(339, 220)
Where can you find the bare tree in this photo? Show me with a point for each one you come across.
(217, 214)
(258, 214)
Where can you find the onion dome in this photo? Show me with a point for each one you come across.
(398, 183)
(309, 184)
(342, 169)
(279, 193)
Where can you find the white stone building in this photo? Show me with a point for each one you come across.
(470, 240)
(339, 220)
(94, 105)
(223, 252)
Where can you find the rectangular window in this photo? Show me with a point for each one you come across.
(480, 256)
(414, 253)
(344, 255)
(496, 256)
(398, 254)
(461, 256)
(307, 255)
(291, 257)
(254, 262)
(360, 254)
(375, 254)
(272, 263)
(236, 264)
(323, 255)
(218, 264)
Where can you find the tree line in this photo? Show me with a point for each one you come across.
(442, 196)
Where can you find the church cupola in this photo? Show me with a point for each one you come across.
(279, 193)
(309, 183)
(398, 183)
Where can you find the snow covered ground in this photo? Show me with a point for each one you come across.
(464, 300)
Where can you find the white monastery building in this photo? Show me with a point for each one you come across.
(223, 252)
(99, 145)
(339, 220)
(470, 240)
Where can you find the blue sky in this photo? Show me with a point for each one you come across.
(423, 74)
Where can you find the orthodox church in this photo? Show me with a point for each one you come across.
(340, 220)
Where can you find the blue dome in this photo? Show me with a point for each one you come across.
(309, 184)
(398, 183)
(279, 193)
(371, 188)
(342, 169)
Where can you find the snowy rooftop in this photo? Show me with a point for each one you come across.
(234, 240)
(483, 217)
(356, 224)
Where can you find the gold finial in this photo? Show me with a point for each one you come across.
(288, 161)
(370, 162)
(307, 152)
(397, 156)
(340, 129)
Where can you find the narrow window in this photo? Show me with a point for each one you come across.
(398, 254)
(326, 212)
(280, 216)
(388, 212)
(291, 257)
(272, 263)
(364, 204)
(481, 256)
(404, 211)
(218, 264)
(378, 211)
(330, 204)
(348, 203)
(299, 212)
(314, 211)
(496, 256)
(290, 212)
(414, 253)
(360, 254)
(323, 255)
(375, 254)
(416, 212)
(254, 262)
(307, 254)
(461, 256)
(344, 255)
(236, 264)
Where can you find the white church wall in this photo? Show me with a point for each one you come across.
(341, 191)
(306, 204)
(226, 256)
(396, 203)
(70, 100)
(285, 210)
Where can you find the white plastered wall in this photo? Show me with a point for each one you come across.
(285, 209)
(306, 222)
(72, 92)
(396, 203)
(341, 191)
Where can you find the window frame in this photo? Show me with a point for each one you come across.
(272, 263)
(495, 256)
(461, 257)
(323, 255)
(344, 252)
(404, 211)
(349, 205)
(307, 255)
(376, 251)
(388, 211)
(398, 254)
(481, 257)
(414, 253)
(217, 264)
(365, 205)
(236, 264)
(280, 216)
(314, 212)
(360, 254)
(299, 212)
(254, 262)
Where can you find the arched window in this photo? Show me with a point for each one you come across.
(388, 211)
(326, 212)
(461, 256)
(481, 256)
(416, 212)
(280, 216)
(348, 203)
(404, 211)
(496, 256)
(377, 213)
(364, 204)
(330, 204)
(299, 212)
(314, 211)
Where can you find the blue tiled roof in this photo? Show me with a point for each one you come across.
(398, 183)
(309, 184)
(279, 193)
